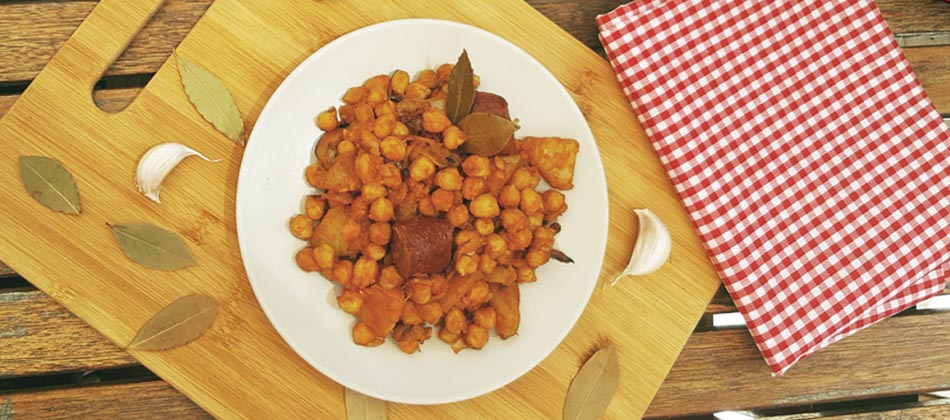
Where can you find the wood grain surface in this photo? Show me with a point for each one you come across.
(649, 320)
(147, 400)
(930, 410)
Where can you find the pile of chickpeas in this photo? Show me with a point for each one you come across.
(392, 154)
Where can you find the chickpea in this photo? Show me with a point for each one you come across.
(305, 260)
(484, 226)
(354, 95)
(485, 317)
(431, 312)
(449, 179)
(364, 272)
(408, 346)
(495, 245)
(362, 335)
(478, 294)
(327, 121)
(487, 264)
(371, 192)
(525, 178)
(526, 275)
(374, 252)
(419, 290)
(457, 215)
(343, 272)
(444, 71)
(537, 257)
(393, 148)
(381, 210)
(514, 219)
(389, 278)
(485, 205)
(364, 113)
(324, 256)
(468, 242)
(472, 187)
(360, 208)
(410, 314)
(337, 198)
(390, 176)
(385, 108)
(509, 197)
(400, 129)
(301, 226)
(535, 220)
(347, 113)
(417, 90)
(466, 264)
(435, 121)
(384, 125)
(421, 169)
(353, 133)
(447, 336)
(531, 201)
(455, 321)
(345, 147)
(380, 233)
(554, 204)
(442, 199)
(369, 143)
(453, 137)
(428, 78)
(518, 240)
(459, 345)
(377, 96)
(399, 82)
(477, 81)
(426, 208)
(351, 230)
(543, 238)
(476, 337)
(379, 82)
(440, 285)
(476, 166)
(350, 301)
(368, 166)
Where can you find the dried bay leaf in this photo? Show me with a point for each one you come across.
(211, 98)
(487, 133)
(49, 183)
(177, 324)
(152, 246)
(593, 386)
(362, 407)
(461, 95)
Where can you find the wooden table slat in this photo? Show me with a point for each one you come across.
(134, 401)
(722, 370)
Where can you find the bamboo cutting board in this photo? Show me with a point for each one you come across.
(241, 368)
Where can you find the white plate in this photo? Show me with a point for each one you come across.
(302, 306)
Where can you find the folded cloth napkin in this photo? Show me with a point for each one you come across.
(814, 167)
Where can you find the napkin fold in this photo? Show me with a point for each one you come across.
(814, 167)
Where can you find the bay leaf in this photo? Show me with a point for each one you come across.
(211, 98)
(362, 407)
(461, 95)
(177, 324)
(593, 386)
(49, 183)
(487, 133)
(152, 246)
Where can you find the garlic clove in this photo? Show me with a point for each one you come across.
(157, 163)
(652, 248)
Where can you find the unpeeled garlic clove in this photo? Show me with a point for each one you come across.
(652, 248)
(157, 163)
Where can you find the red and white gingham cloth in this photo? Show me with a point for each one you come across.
(814, 167)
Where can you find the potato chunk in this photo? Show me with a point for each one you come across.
(554, 157)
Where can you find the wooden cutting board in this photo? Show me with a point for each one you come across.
(241, 368)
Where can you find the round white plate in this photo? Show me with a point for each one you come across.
(271, 189)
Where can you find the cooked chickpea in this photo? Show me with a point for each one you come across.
(324, 256)
(350, 301)
(376, 96)
(301, 226)
(449, 179)
(536, 220)
(345, 147)
(466, 264)
(410, 314)
(487, 264)
(421, 169)
(374, 251)
(408, 346)
(543, 238)
(399, 82)
(327, 121)
(417, 90)
(484, 226)
(453, 137)
(440, 285)
(400, 129)
(384, 125)
(455, 321)
(351, 230)
(442, 199)
(525, 178)
(381, 210)
(495, 245)
(477, 81)
(509, 197)
(476, 337)
(419, 290)
(390, 176)
(531, 202)
(371, 192)
(554, 204)
(364, 113)
(435, 121)
(385, 108)
(431, 312)
(380, 82)
(305, 260)
(360, 208)
(537, 257)
(393, 148)
(472, 187)
(426, 208)
(369, 143)
(389, 278)
(513, 220)
(526, 275)
(380, 233)
(485, 317)
(354, 95)
(444, 71)
(428, 78)
(364, 272)
(362, 335)
(447, 336)
(478, 294)
(519, 239)
(458, 215)
(485, 205)
(468, 242)
(459, 345)
(476, 166)
(343, 272)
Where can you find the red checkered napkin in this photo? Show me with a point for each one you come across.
(814, 167)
